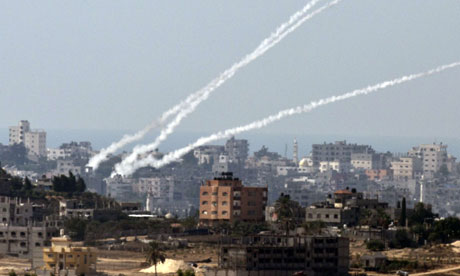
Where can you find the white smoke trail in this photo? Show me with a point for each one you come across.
(177, 154)
(127, 139)
(294, 22)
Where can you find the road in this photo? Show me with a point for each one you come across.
(438, 271)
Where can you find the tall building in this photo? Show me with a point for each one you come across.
(339, 151)
(407, 168)
(237, 150)
(226, 199)
(433, 156)
(33, 140)
(17, 133)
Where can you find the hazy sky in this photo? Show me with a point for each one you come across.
(119, 64)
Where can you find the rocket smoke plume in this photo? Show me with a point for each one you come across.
(127, 139)
(194, 100)
(177, 154)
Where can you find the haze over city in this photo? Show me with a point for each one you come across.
(212, 138)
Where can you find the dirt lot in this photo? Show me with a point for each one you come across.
(116, 262)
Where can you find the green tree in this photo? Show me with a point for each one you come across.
(375, 245)
(421, 215)
(76, 227)
(188, 272)
(401, 240)
(289, 212)
(27, 184)
(155, 255)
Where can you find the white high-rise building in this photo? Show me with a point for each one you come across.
(433, 157)
(33, 140)
(17, 133)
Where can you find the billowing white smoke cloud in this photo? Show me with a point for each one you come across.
(282, 31)
(177, 154)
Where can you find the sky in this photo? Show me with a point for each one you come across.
(117, 65)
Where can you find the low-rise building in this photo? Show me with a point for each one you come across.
(66, 257)
(281, 255)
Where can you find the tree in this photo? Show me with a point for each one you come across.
(421, 215)
(188, 272)
(68, 184)
(375, 245)
(403, 213)
(288, 211)
(155, 255)
(27, 184)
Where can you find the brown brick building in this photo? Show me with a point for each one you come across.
(226, 199)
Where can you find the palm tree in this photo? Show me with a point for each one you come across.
(287, 211)
(155, 255)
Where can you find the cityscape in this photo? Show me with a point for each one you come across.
(170, 138)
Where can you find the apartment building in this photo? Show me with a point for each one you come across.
(20, 234)
(339, 151)
(71, 208)
(33, 140)
(208, 154)
(237, 150)
(118, 186)
(226, 199)
(407, 168)
(156, 187)
(343, 208)
(268, 255)
(433, 156)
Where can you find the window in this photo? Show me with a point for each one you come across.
(251, 212)
(318, 216)
(204, 203)
(252, 203)
(224, 213)
(204, 212)
(214, 203)
(37, 244)
(214, 193)
(310, 215)
(50, 255)
(205, 193)
(224, 194)
(224, 203)
(214, 212)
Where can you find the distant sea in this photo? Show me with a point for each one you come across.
(275, 142)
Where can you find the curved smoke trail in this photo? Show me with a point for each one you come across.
(127, 139)
(267, 44)
(177, 154)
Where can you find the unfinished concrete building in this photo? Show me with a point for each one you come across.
(279, 255)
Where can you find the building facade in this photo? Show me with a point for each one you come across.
(33, 140)
(226, 199)
(339, 151)
(62, 256)
(268, 255)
